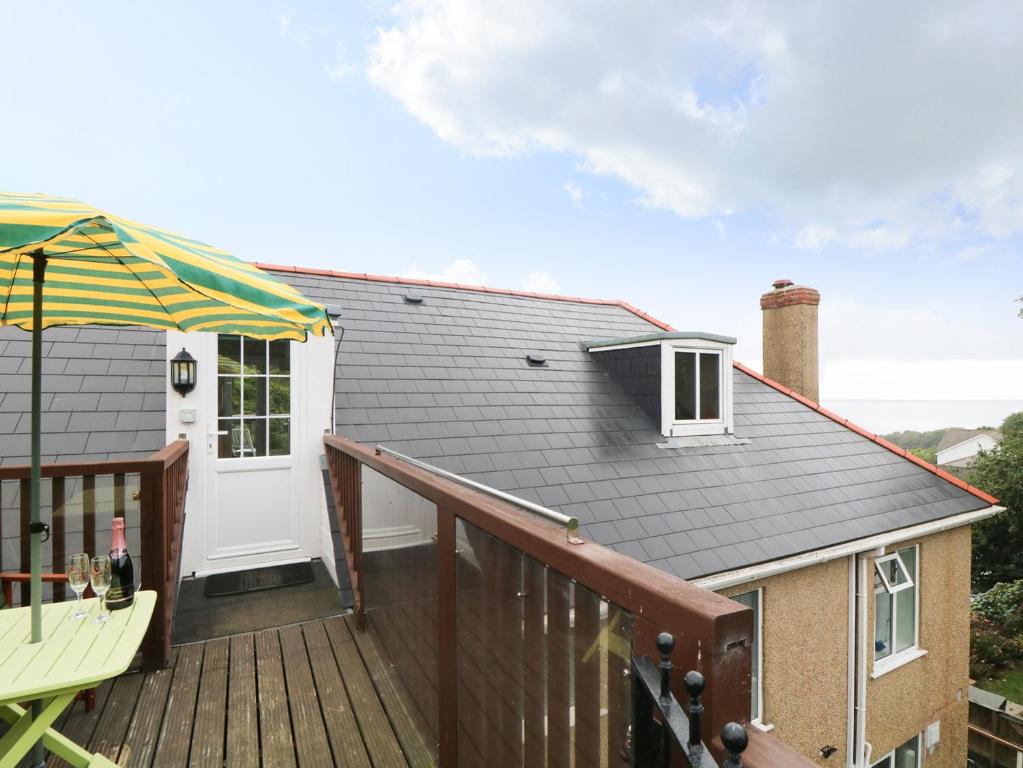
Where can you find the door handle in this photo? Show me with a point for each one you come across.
(211, 439)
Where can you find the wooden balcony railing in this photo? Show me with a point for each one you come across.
(78, 502)
(514, 641)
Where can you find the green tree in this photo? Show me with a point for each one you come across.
(1013, 425)
(998, 541)
(927, 454)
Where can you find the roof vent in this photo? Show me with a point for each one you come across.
(413, 298)
(536, 359)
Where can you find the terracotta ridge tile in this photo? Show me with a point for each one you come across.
(947, 476)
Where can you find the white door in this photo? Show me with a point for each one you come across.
(253, 509)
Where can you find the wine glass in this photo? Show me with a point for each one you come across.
(101, 583)
(78, 579)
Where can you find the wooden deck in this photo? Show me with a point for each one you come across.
(312, 694)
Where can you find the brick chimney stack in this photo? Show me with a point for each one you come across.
(790, 337)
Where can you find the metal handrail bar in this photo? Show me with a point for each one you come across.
(570, 523)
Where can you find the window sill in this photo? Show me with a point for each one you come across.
(763, 727)
(886, 665)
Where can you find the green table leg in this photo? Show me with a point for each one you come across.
(25, 732)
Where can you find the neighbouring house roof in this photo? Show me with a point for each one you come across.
(955, 436)
(447, 381)
(987, 699)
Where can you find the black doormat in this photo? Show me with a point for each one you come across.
(258, 579)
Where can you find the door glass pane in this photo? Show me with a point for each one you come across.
(685, 386)
(882, 624)
(280, 437)
(254, 403)
(253, 437)
(254, 356)
(280, 396)
(229, 354)
(229, 396)
(710, 386)
(229, 427)
(280, 357)
(905, 606)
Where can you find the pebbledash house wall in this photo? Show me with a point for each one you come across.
(805, 641)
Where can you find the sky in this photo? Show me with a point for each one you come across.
(679, 156)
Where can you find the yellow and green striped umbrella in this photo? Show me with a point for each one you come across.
(64, 263)
(107, 270)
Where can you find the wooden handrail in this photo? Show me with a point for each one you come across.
(163, 479)
(715, 633)
(163, 482)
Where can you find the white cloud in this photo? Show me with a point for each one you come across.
(288, 30)
(341, 67)
(574, 191)
(542, 282)
(462, 271)
(873, 127)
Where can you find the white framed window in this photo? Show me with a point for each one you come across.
(253, 397)
(754, 599)
(896, 592)
(893, 573)
(906, 756)
(696, 394)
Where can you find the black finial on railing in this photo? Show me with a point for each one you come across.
(694, 683)
(665, 644)
(735, 739)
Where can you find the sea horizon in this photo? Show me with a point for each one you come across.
(887, 416)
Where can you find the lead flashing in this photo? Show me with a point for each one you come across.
(646, 338)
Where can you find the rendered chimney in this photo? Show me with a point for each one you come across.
(790, 337)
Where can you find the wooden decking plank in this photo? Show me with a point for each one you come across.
(174, 744)
(242, 713)
(79, 725)
(377, 733)
(278, 747)
(211, 708)
(144, 730)
(416, 752)
(306, 721)
(117, 714)
(342, 727)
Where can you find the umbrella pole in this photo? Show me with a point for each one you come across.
(36, 584)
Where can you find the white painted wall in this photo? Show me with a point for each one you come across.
(326, 542)
(312, 408)
(392, 515)
(966, 449)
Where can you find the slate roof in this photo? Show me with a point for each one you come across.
(447, 382)
(103, 393)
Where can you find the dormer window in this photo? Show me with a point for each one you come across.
(680, 379)
(697, 385)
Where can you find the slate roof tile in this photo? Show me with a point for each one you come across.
(803, 481)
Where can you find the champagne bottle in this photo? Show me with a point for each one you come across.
(122, 574)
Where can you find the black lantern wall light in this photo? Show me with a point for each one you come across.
(182, 372)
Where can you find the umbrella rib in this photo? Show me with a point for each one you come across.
(137, 279)
(10, 287)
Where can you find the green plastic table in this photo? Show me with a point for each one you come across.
(72, 656)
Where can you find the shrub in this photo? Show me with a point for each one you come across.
(996, 630)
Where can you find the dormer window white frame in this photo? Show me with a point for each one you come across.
(696, 387)
(695, 370)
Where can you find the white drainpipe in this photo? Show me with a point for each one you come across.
(863, 749)
(851, 687)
